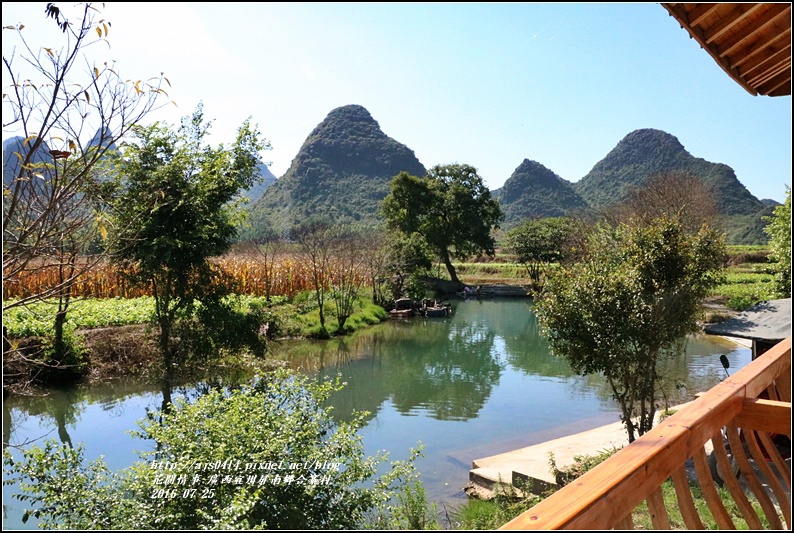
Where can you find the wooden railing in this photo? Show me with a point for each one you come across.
(749, 406)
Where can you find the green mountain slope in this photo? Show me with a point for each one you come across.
(648, 151)
(342, 171)
(535, 191)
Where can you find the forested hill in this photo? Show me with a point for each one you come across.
(535, 191)
(342, 171)
(259, 188)
(645, 152)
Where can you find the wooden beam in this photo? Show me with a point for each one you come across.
(780, 57)
(765, 415)
(778, 12)
(736, 16)
(701, 12)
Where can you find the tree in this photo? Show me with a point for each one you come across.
(65, 122)
(539, 242)
(175, 214)
(673, 194)
(629, 304)
(316, 239)
(450, 207)
(297, 468)
(347, 275)
(408, 256)
(779, 231)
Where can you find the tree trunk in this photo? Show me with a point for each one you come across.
(451, 269)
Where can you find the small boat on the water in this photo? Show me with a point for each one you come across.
(403, 308)
(433, 308)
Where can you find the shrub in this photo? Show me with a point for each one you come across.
(265, 456)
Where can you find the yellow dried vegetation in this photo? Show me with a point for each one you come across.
(287, 275)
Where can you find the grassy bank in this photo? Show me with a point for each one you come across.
(113, 337)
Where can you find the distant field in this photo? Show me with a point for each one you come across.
(748, 279)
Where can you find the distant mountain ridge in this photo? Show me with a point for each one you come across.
(341, 172)
(645, 152)
(534, 191)
(255, 192)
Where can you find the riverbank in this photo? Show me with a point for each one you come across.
(131, 349)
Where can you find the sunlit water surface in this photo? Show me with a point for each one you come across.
(475, 384)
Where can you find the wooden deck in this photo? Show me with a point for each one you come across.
(752, 404)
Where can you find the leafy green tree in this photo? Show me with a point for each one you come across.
(450, 207)
(629, 304)
(539, 242)
(175, 214)
(779, 231)
(407, 257)
(266, 456)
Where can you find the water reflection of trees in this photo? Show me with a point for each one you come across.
(695, 370)
(431, 365)
(527, 350)
(450, 372)
(60, 409)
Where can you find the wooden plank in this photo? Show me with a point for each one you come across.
(736, 17)
(709, 491)
(625, 524)
(739, 455)
(732, 484)
(780, 463)
(783, 384)
(772, 364)
(685, 501)
(765, 415)
(659, 517)
(769, 476)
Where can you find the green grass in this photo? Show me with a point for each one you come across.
(36, 319)
(298, 319)
(642, 518)
(748, 279)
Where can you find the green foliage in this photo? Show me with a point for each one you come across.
(629, 304)
(407, 256)
(412, 511)
(450, 207)
(643, 520)
(539, 242)
(507, 503)
(275, 427)
(175, 213)
(63, 491)
(779, 231)
(35, 320)
(342, 172)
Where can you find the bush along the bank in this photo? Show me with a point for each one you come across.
(266, 456)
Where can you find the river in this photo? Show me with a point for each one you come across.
(471, 385)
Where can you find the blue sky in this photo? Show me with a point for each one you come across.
(487, 84)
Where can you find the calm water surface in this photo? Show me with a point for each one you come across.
(478, 383)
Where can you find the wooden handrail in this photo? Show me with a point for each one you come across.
(605, 497)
